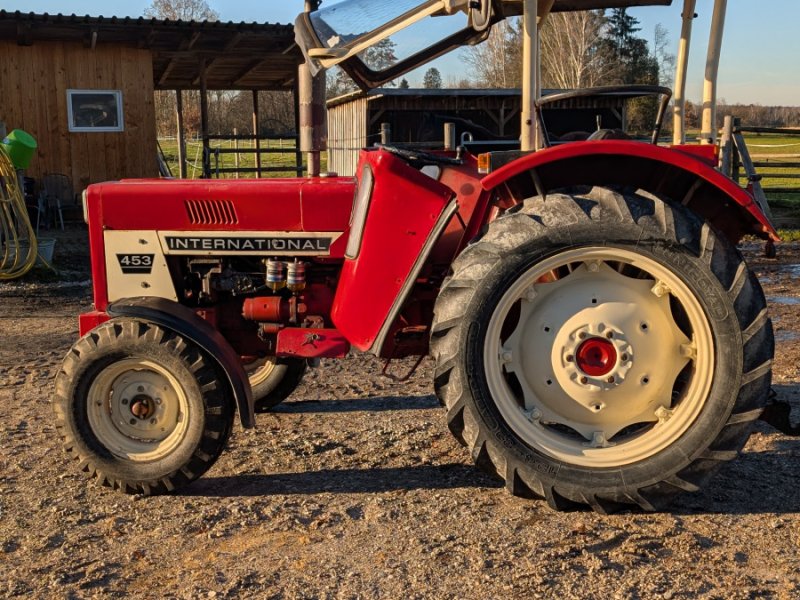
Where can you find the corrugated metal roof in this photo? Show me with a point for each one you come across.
(236, 55)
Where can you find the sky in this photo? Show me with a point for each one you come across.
(761, 49)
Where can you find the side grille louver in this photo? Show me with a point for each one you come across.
(211, 212)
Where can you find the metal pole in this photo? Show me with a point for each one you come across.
(530, 72)
(386, 134)
(535, 12)
(708, 134)
(312, 110)
(449, 136)
(726, 145)
(679, 108)
(298, 155)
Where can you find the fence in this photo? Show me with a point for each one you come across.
(233, 156)
(765, 161)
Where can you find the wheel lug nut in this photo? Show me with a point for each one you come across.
(611, 379)
(153, 421)
(624, 358)
(569, 358)
(140, 388)
(124, 402)
(133, 421)
(584, 380)
(610, 334)
(582, 335)
(159, 401)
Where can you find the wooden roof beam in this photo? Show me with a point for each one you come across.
(248, 70)
(167, 71)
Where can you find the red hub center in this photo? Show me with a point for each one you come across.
(596, 357)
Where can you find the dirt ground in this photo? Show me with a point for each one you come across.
(354, 488)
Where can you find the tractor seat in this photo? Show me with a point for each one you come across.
(609, 134)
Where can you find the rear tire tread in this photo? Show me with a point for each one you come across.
(503, 235)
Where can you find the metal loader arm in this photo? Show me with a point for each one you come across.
(324, 46)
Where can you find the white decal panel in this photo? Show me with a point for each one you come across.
(136, 266)
(250, 243)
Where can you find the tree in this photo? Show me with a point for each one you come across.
(378, 58)
(634, 64)
(664, 58)
(184, 10)
(432, 79)
(573, 55)
(403, 84)
(497, 62)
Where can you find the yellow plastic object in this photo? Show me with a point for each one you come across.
(18, 245)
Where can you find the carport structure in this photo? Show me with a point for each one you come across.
(183, 56)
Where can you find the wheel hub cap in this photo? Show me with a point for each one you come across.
(137, 410)
(596, 357)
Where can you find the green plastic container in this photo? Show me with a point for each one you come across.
(20, 147)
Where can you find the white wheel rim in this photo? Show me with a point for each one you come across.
(138, 410)
(655, 385)
(259, 370)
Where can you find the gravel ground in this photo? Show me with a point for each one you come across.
(354, 488)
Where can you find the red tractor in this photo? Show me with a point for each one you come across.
(598, 338)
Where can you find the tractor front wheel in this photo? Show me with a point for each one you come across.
(141, 408)
(274, 379)
(602, 348)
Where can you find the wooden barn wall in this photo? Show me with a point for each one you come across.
(33, 96)
(347, 133)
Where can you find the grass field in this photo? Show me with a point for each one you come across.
(246, 160)
(779, 149)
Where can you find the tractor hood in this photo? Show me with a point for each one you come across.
(376, 41)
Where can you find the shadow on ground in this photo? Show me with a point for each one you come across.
(345, 481)
(375, 404)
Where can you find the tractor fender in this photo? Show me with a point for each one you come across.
(665, 172)
(186, 322)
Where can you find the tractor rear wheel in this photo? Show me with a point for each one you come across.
(141, 408)
(603, 349)
(274, 379)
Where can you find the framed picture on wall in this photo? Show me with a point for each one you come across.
(95, 111)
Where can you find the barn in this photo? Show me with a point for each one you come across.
(418, 116)
(84, 86)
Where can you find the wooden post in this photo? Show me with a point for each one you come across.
(386, 134)
(204, 121)
(679, 107)
(708, 133)
(181, 134)
(236, 147)
(255, 134)
(3, 130)
(736, 168)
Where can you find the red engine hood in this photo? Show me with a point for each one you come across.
(242, 205)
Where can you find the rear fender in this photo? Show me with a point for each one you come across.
(186, 322)
(664, 172)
